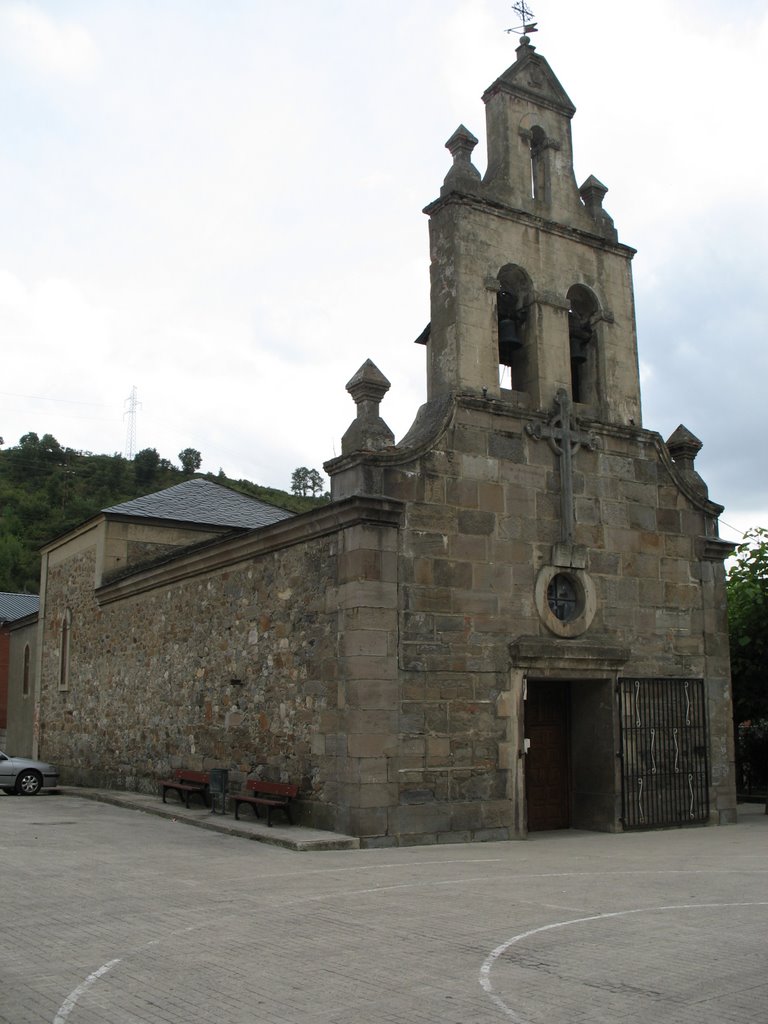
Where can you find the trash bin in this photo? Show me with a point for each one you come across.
(218, 786)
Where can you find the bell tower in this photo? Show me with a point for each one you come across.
(531, 291)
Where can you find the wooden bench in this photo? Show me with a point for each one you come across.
(272, 795)
(187, 784)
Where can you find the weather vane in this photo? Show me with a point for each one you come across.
(524, 13)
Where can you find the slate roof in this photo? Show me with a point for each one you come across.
(16, 606)
(203, 503)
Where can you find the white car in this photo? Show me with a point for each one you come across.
(24, 776)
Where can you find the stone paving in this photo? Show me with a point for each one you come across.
(114, 916)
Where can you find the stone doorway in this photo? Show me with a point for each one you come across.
(547, 762)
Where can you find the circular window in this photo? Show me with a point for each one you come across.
(565, 600)
(562, 597)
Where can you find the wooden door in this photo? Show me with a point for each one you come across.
(547, 773)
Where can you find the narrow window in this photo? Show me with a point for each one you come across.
(25, 676)
(66, 630)
(539, 165)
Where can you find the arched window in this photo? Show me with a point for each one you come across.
(513, 300)
(66, 633)
(25, 675)
(582, 339)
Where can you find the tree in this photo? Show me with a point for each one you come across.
(306, 482)
(190, 459)
(51, 449)
(11, 562)
(145, 466)
(36, 455)
(315, 482)
(748, 626)
(299, 480)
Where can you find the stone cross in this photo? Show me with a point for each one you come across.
(565, 437)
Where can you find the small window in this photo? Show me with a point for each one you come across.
(66, 631)
(566, 600)
(25, 676)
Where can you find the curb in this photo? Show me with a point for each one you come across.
(297, 838)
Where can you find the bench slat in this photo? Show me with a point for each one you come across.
(286, 789)
(266, 794)
(186, 782)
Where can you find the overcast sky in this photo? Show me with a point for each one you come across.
(219, 203)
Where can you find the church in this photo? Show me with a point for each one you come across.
(511, 620)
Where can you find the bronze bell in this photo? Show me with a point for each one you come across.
(580, 332)
(509, 341)
(578, 352)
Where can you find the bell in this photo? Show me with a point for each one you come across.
(578, 353)
(580, 332)
(509, 341)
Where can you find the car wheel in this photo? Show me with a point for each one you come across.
(29, 783)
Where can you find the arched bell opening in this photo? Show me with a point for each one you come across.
(513, 302)
(583, 314)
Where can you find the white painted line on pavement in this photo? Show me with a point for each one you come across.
(490, 960)
(71, 1001)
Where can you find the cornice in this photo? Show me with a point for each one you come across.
(483, 203)
(220, 554)
(714, 549)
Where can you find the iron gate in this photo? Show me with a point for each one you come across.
(663, 752)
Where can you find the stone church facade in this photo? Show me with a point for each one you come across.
(512, 619)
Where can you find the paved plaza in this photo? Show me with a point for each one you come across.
(111, 915)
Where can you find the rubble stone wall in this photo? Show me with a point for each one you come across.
(232, 669)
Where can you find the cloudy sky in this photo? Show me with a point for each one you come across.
(218, 202)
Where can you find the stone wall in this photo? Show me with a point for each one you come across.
(482, 527)
(21, 701)
(271, 654)
(229, 669)
(5, 648)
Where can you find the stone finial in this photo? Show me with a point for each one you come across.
(684, 446)
(368, 384)
(461, 144)
(368, 432)
(463, 173)
(592, 193)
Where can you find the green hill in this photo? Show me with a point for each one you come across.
(46, 489)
